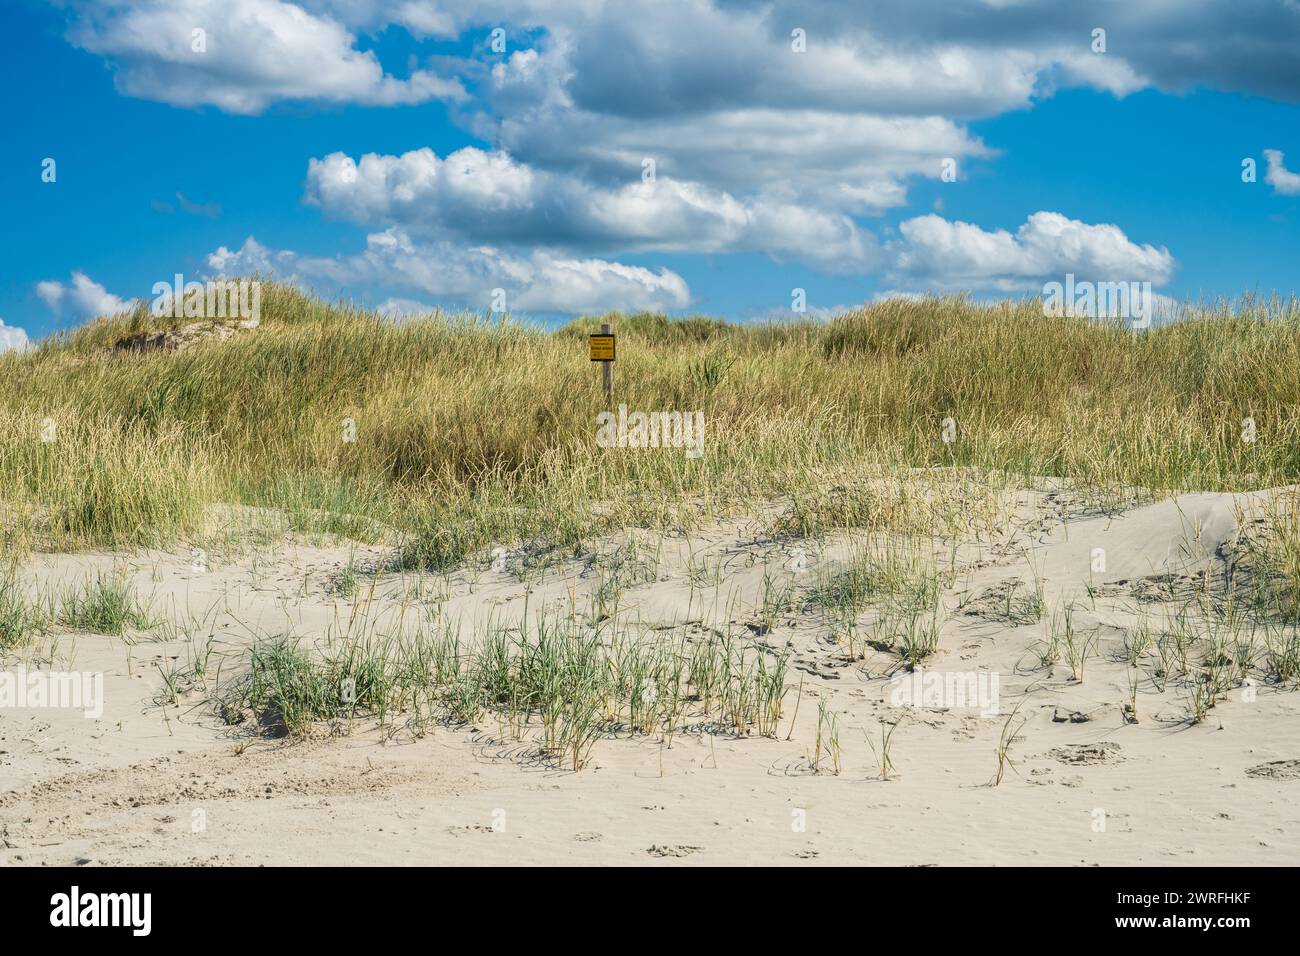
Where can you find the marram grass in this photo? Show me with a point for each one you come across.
(472, 433)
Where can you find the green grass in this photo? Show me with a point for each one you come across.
(870, 574)
(1271, 582)
(564, 685)
(18, 621)
(104, 605)
(474, 434)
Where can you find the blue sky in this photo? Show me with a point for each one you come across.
(386, 152)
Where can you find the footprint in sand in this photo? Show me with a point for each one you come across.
(1276, 770)
(675, 851)
(1087, 754)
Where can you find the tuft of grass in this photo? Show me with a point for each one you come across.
(903, 586)
(708, 372)
(884, 753)
(870, 575)
(18, 621)
(287, 690)
(105, 605)
(1079, 646)
(828, 738)
(631, 564)
(1010, 732)
(1137, 642)
(1027, 608)
(1270, 582)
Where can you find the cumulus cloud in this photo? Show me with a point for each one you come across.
(540, 281)
(943, 255)
(85, 297)
(716, 93)
(253, 257)
(957, 58)
(250, 54)
(859, 162)
(489, 197)
(12, 339)
(717, 98)
(1165, 44)
(644, 58)
(773, 128)
(1278, 176)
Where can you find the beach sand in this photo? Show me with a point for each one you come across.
(155, 782)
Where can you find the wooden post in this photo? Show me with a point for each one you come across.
(607, 368)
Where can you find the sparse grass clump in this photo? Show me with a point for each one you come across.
(559, 681)
(871, 574)
(1010, 733)
(17, 620)
(828, 739)
(1269, 582)
(884, 753)
(287, 690)
(104, 605)
(904, 588)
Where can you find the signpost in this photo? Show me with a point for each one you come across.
(601, 348)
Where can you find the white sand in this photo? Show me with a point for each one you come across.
(166, 784)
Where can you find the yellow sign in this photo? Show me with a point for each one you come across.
(601, 348)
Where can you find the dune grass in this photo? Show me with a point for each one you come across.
(17, 621)
(103, 605)
(554, 683)
(1272, 582)
(471, 434)
(451, 436)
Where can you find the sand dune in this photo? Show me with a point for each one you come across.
(152, 782)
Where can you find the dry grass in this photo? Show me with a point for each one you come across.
(471, 434)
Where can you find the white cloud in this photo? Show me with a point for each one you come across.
(253, 257)
(1278, 176)
(715, 94)
(482, 196)
(396, 308)
(955, 58)
(541, 281)
(210, 209)
(84, 296)
(254, 53)
(12, 338)
(51, 293)
(1077, 66)
(942, 255)
(781, 313)
(718, 99)
(856, 162)
(758, 148)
